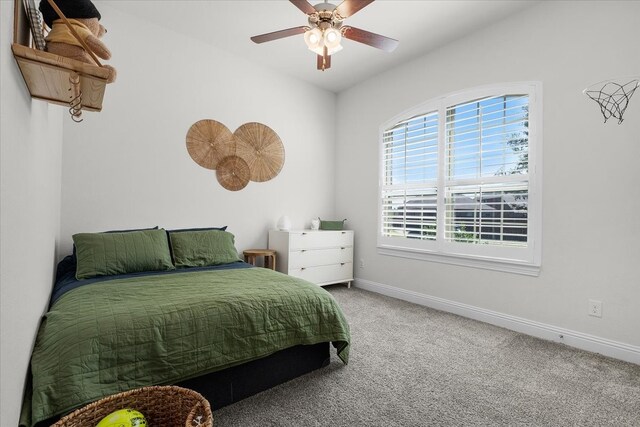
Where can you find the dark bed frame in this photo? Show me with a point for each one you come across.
(230, 385)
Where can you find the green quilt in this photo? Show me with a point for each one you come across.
(113, 336)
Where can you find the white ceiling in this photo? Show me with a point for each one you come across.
(419, 25)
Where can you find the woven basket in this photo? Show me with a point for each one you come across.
(168, 406)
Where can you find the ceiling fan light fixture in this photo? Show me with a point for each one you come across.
(324, 32)
(314, 40)
(332, 50)
(332, 39)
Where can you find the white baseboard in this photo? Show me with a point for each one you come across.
(617, 350)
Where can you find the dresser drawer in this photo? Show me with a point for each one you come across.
(315, 257)
(325, 274)
(320, 239)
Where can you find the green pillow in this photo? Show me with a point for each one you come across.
(202, 248)
(106, 254)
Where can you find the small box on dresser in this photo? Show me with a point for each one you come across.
(322, 257)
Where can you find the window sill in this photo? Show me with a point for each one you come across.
(495, 264)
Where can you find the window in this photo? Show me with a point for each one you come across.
(459, 181)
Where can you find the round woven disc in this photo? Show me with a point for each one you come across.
(233, 173)
(208, 142)
(261, 148)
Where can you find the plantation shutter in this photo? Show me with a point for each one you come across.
(460, 179)
(410, 175)
(486, 178)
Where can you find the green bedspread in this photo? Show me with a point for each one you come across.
(108, 337)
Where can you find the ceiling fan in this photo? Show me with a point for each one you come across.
(325, 30)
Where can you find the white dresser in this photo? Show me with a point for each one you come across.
(322, 257)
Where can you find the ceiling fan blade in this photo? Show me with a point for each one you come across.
(304, 6)
(376, 40)
(349, 7)
(278, 34)
(324, 62)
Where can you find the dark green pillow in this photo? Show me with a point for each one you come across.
(202, 248)
(106, 254)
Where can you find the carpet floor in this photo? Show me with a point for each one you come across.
(415, 366)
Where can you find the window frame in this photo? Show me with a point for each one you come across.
(521, 260)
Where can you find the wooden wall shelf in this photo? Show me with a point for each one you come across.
(49, 77)
(54, 78)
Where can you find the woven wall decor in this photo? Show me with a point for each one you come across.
(254, 152)
(208, 142)
(233, 173)
(261, 148)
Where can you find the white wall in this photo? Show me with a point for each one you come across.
(591, 189)
(128, 165)
(30, 147)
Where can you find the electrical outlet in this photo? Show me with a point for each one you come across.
(595, 308)
(361, 262)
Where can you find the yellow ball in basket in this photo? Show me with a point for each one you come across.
(123, 418)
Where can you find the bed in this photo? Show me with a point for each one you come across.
(114, 332)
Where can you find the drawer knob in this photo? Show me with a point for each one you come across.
(303, 268)
(304, 234)
(303, 250)
(342, 248)
(342, 263)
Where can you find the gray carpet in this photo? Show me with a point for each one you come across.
(414, 366)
